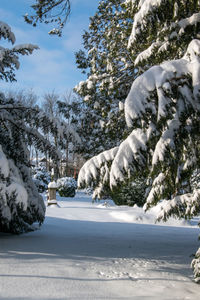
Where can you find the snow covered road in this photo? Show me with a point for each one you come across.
(91, 251)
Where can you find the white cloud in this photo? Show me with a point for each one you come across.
(44, 71)
(73, 41)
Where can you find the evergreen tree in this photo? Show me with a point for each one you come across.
(21, 125)
(110, 71)
(162, 109)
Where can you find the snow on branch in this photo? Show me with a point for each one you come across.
(144, 55)
(91, 169)
(151, 100)
(145, 8)
(193, 20)
(25, 49)
(12, 186)
(9, 58)
(180, 206)
(129, 152)
(6, 33)
(158, 78)
(196, 266)
(166, 36)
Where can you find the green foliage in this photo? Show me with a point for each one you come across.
(162, 28)
(41, 178)
(66, 187)
(67, 191)
(110, 72)
(130, 193)
(162, 108)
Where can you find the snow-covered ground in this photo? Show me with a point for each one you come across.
(89, 250)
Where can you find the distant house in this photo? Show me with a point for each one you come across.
(67, 167)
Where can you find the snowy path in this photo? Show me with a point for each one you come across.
(89, 251)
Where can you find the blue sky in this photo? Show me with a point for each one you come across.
(52, 67)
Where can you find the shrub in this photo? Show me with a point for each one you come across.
(41, 178)
(66, 186)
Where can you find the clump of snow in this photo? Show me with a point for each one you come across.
(146, 53)
(4, 165)
(191, 202)
(193, 20)
(121, 106)
(146, 7)
(52, 185)
(66, 181)
(24, 47)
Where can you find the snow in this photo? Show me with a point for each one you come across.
(193, 20)
(139, 104)
(127, 153)
(4, 165)
(5, 31)
(90, 169)
(98, 250)
(146, 6)
(14, 185)
(52, 185)
(24, 47)
(146, 53)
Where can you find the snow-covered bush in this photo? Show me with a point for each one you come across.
(66, 186)
(41, 178)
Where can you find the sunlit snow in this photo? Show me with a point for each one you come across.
(98, 250)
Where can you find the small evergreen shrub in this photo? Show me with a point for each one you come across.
(41, 178)
(66, 187)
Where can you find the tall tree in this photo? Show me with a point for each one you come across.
(162, 110)
(20, 203)
(110, 71)
(21, 125)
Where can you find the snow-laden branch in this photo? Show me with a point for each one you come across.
(129, 152)
(145, 8)
(180, 206)
(91, 169)
(139, 103)
(158, 78)
(6, 33)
